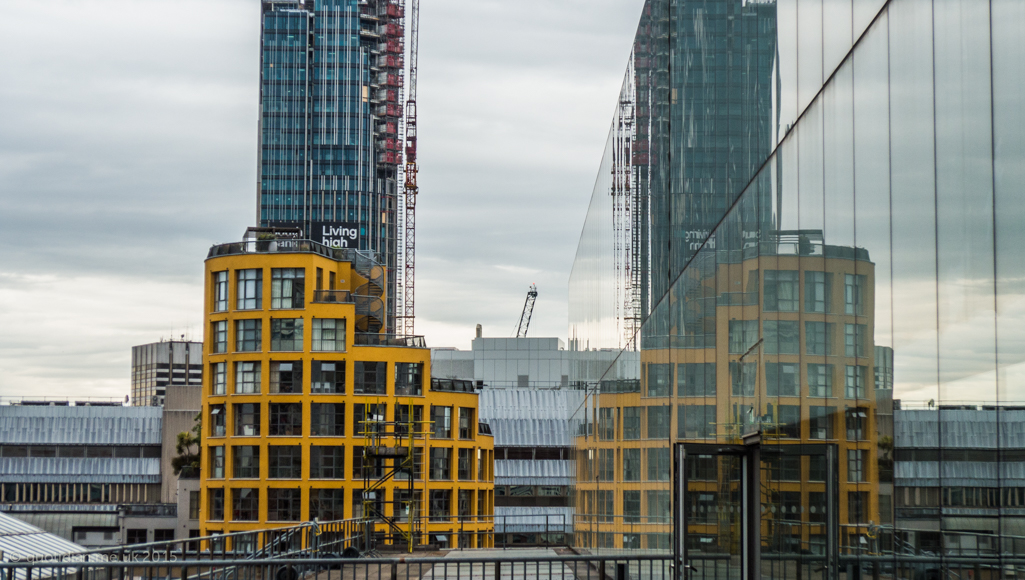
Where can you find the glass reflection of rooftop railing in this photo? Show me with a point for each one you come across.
(678, 341)
(790, 243)
(738, 299)
(620, 386)
(932, 405)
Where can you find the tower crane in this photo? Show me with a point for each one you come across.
(411, 189)
(528, 310)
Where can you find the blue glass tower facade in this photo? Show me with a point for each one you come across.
(330, 105)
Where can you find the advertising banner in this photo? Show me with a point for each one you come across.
(335, 234)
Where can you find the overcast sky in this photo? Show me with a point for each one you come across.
(128, 147)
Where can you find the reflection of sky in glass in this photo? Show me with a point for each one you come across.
(878, 152)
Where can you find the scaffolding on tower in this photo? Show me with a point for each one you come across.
(410, 190)
(383, 31)
(625, 193)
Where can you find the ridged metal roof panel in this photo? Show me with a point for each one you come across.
(533, 432)
(533, 519)
(20, 540)
(28, 425)
(79, 470)
(961, 428)
(529, 403)
(535, 468)
(959, 473)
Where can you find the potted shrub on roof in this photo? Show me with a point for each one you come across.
(263, 242)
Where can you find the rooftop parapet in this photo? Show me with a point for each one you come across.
(361, 259)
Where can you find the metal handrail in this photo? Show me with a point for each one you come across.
(362, 260)
(381, 339)
(180, 547)
(332, 296)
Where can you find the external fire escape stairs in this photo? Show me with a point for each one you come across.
(394, 440)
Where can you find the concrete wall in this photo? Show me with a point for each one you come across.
(181, 406)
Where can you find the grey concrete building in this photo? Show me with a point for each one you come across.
(97, 474)
(158, 365)
(541, 362)
(959, 479)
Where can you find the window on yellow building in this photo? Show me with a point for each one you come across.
(245, 505)
(283, 505)
(284, 462)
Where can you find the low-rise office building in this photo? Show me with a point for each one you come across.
(312, 410)
(89, 473)
(959, 479)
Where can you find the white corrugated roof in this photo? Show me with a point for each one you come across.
(529, 403)
(22, 541)
(535, 472)
(533, 432)
(533, 519)
(79, 470)
(63, 523)
(30, 425)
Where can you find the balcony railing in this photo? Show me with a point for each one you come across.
(363, 260)
(620, 386)
(738, 298)
(452, 385)
(151, 510)
(379, 339)
(333, 296)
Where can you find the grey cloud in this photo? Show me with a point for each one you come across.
(132, 149)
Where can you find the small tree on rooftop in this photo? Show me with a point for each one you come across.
(186, 463)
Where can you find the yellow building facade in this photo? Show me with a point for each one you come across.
(310, 411)
(808, 385)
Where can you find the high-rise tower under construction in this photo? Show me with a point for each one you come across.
(331, 76)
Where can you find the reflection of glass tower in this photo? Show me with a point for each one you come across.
(330, 99)
(714, 126)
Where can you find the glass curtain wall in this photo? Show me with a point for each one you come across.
(330, 96)
(826, 199)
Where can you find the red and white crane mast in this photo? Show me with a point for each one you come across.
(411, 189)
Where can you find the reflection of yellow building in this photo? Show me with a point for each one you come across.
(810, 381)
(307, 403)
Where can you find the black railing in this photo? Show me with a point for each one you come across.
(380, 339)
(620, 386)
(331, 539)
(151, 510)
(362, 260)
(702, 566)
(396, 568)
(452, 385)
(332, 296)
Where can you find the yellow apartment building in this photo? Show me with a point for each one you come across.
(309, 405)
(705, 378)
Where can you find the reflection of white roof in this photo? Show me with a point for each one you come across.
(533, 519)
(22, 541)
(535, 472)
(529, 403)
(531, 417)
